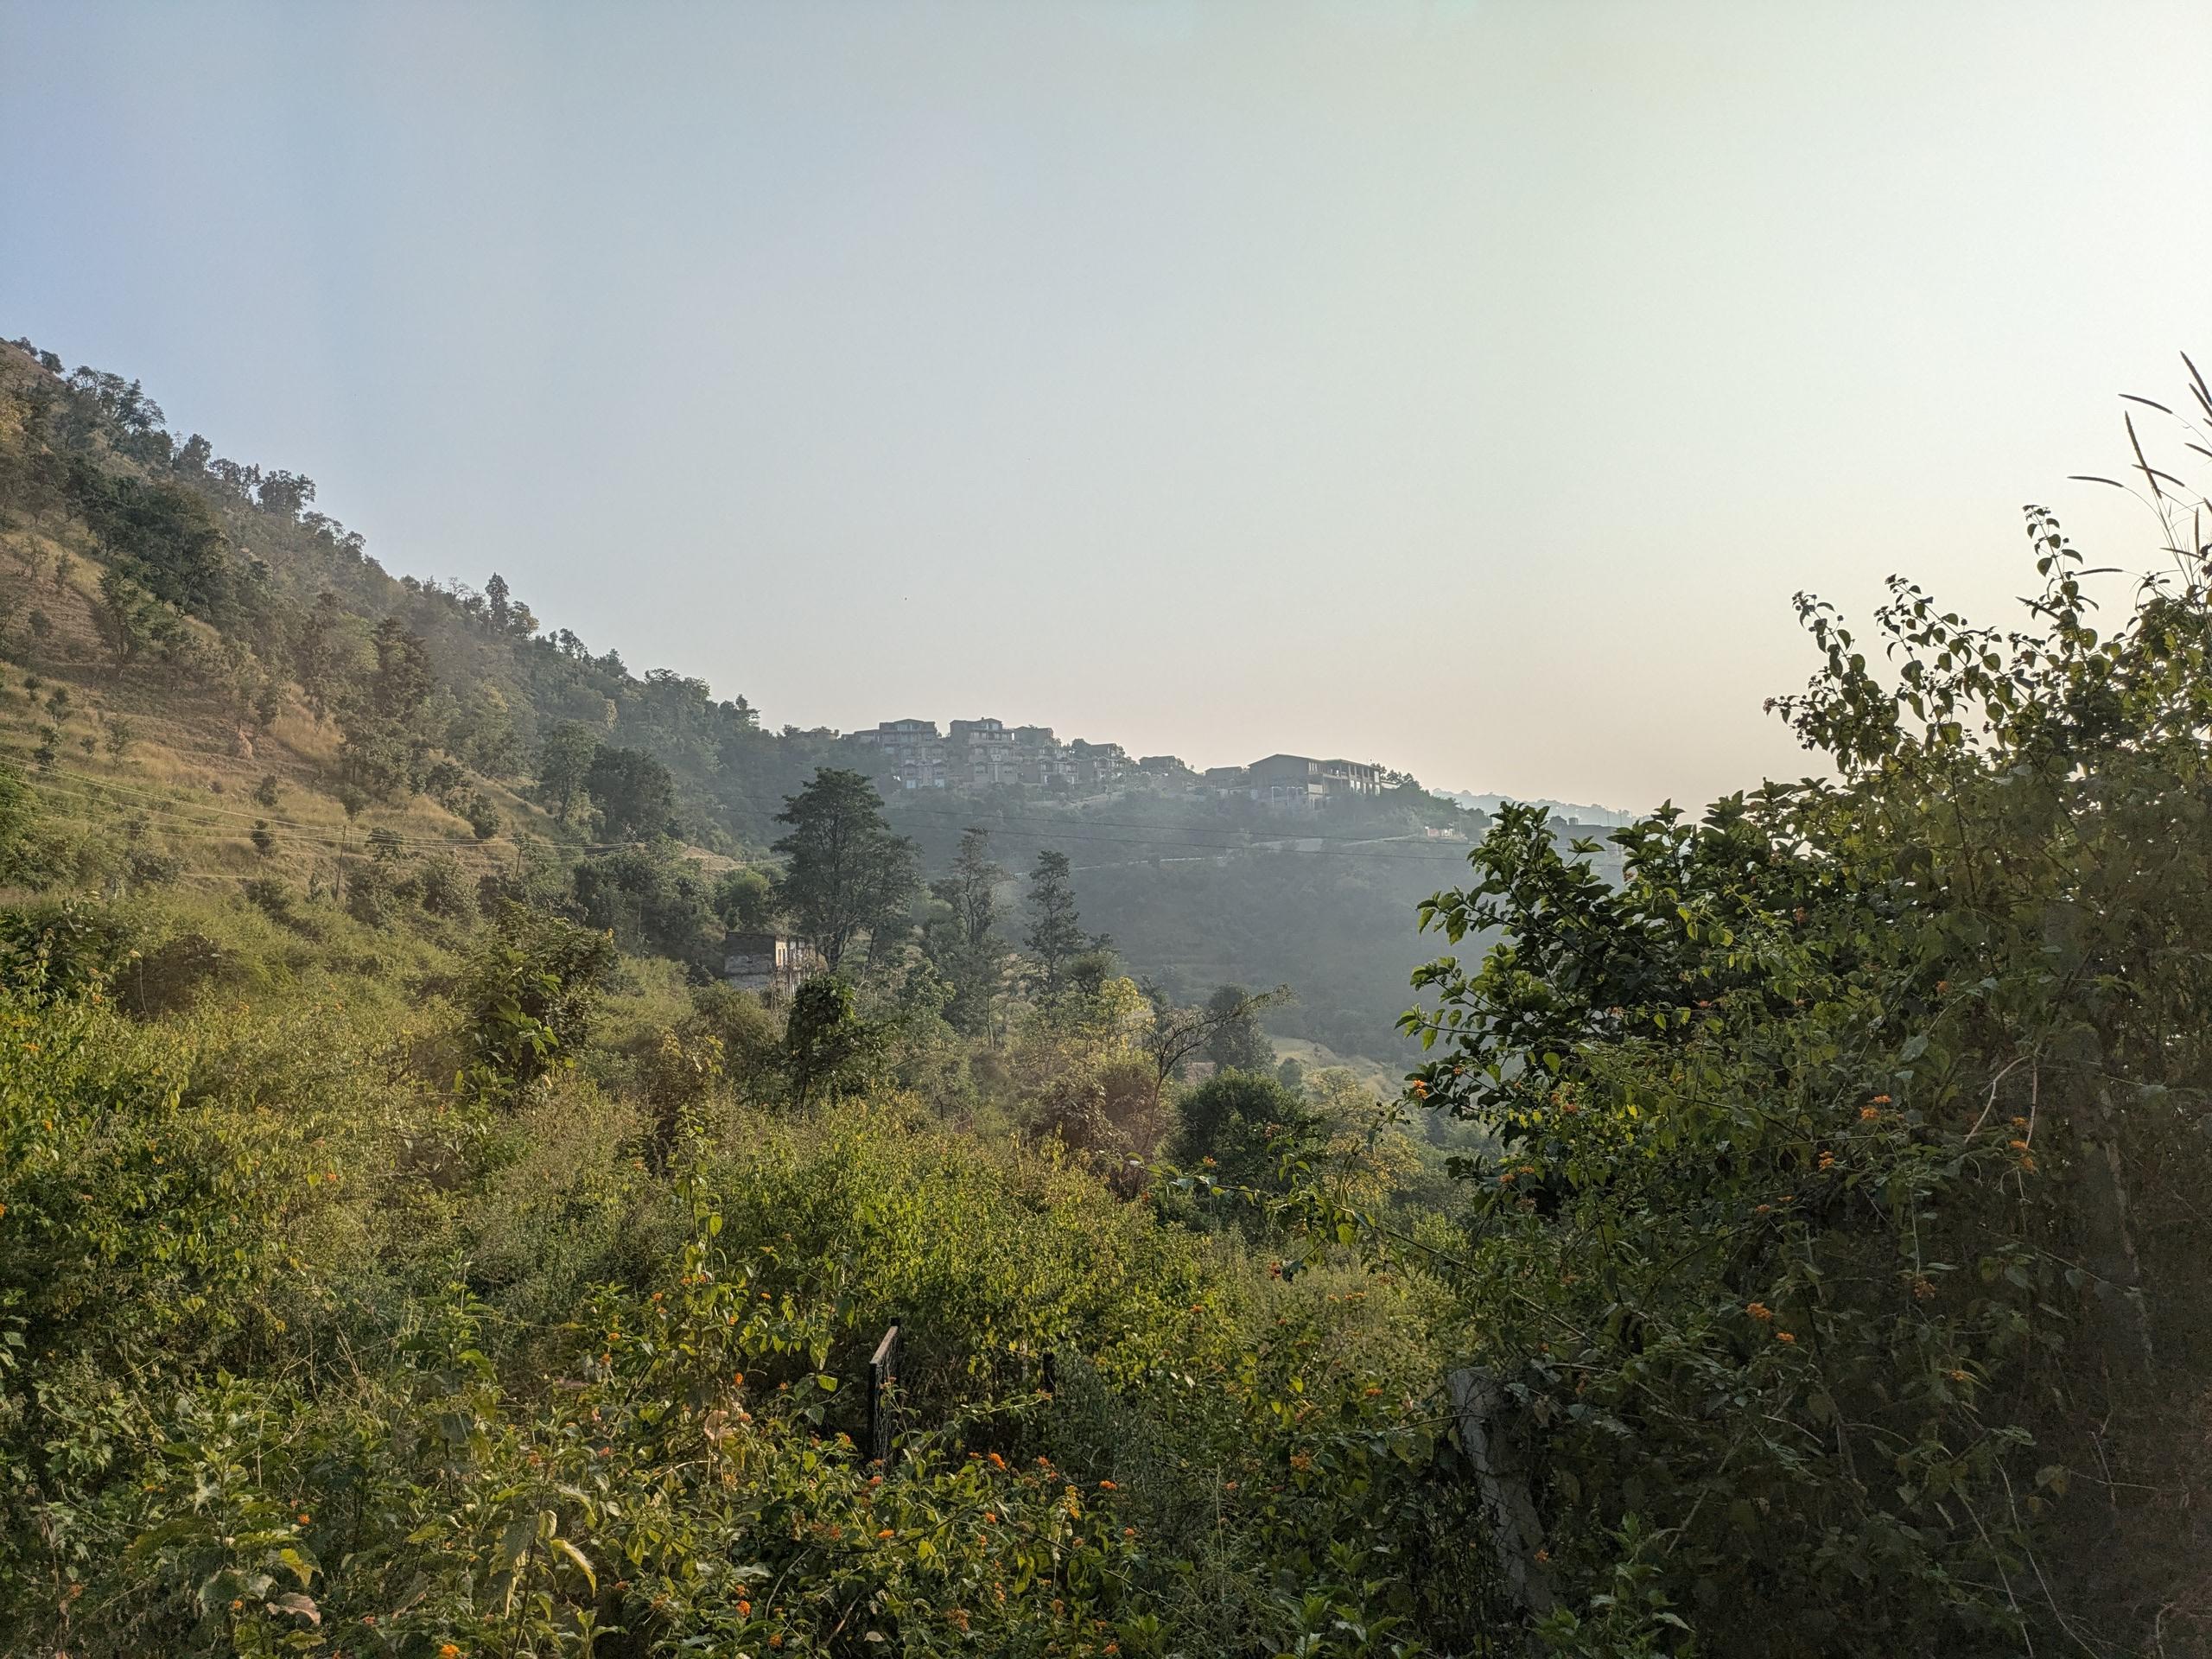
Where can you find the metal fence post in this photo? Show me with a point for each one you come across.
(882, 1375)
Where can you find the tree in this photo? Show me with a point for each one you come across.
(963, 945)
(829, 1050)
(846, 876)
(1237, 1044)
(18, 814)
(527, 1001)
(1055, 936)
(649, 900)
(634, 792)
(263, 838)
(1870, 1105)
(387, 750)
(162, 536)
(1178, 1034)
(323, 650)
(745, 901)
(130, 619)
(565, 753)
(496, 611)
(1241, 1124)
(284, 494)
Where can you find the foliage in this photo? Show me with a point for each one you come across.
(1236, 1042)
(650, 901)
(846, 876)
(830, 1051)
(634, 792)
(745, 900)
(1055, 936)
(963, 944)
(1868, 1106)
(528, 998)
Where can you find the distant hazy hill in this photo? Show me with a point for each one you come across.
(1611, 816)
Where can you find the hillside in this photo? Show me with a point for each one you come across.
(214, 635)
(1786, 1242)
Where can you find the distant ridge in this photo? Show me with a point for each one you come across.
(1609, 816)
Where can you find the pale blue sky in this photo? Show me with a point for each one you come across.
(1464, 387)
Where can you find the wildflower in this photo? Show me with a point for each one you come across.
(744, 1609)
(1868, 1113)
(305, 1517)
(1543, 1558)
(1419, 1088)
(2018, 1146)
(777, 1640)
(1129, 1532)
(1301, 1461)
(886, 1533)
(1827, 1161)
(448, 1651)
(1922, 1287)
(1106, 1486)
(1785, 1335)
(1958, 1377)
(991, 1517)
(1759, 1311)
(994, 1460)
(1763, 1209)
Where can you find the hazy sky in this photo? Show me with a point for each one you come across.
(1467, 388)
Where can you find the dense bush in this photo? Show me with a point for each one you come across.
(1840, 1240)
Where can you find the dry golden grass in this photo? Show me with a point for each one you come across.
(191, 771)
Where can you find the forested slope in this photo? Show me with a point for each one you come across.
(204, 611)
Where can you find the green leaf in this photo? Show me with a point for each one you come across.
(578, 1557)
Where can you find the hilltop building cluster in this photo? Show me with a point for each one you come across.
(975, 756)
(979, 754)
